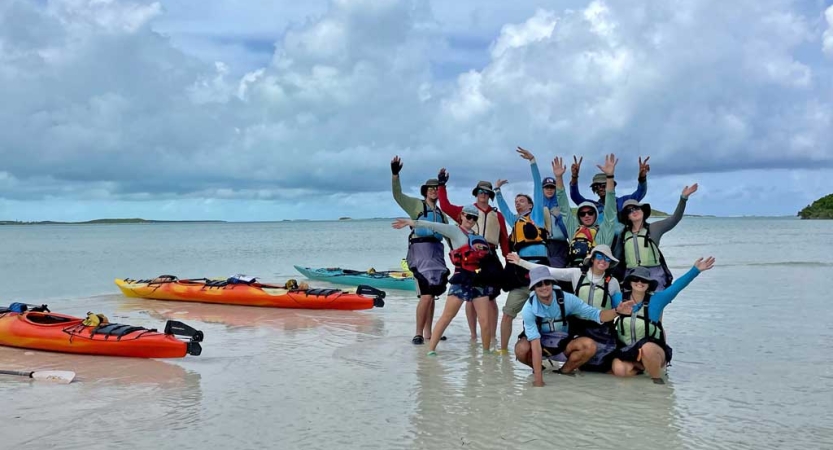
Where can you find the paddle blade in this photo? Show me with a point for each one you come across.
(57, 376)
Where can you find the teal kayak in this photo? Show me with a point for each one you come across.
(383, 280)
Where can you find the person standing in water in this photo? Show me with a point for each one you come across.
(470, 282)
(426, 254)
(490, 224)
(583, 229)
(527, 238)
(638, 242)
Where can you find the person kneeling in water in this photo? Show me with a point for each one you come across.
(594, 285)
(640, 331)
(545, 325)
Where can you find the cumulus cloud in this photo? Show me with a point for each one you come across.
(99, 104)
(827, 43)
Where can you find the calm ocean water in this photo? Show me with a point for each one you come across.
(753, 350)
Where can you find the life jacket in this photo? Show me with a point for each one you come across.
(467, 257)
(422, 234)
(583, 242)
(632, 328)
(587, 290)
(540, 321)
(488, 226)
(645, 253)
(526, 233)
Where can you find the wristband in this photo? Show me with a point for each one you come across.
(608, 176)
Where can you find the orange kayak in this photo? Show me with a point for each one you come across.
(44, 330)
(169, 287)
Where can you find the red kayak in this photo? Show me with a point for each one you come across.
(41, 329)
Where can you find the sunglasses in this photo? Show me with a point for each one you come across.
(549, 186)
(483, 191)
(631, 209)
(640, 280)
(586, 212)
(431, 188)
(542, 283)
(602, 257)
(470, 217)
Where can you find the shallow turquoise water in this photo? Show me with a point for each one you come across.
(752, 350)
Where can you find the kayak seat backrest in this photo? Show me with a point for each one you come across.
(117, 329)
(216, 283)
(47, 319)
(322, 292)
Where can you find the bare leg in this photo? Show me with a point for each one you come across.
(523, 351)
(578, 352)
(653, 358)
(625, 368)
(505, 331)
(452, 307)
(423, 320)
(471, 317)
(481, 306)
(492, 318)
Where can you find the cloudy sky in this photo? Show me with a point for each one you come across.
(270, 110)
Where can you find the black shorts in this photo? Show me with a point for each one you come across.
(424, 287)
(632, 353)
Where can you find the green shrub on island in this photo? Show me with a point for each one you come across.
(820, 209)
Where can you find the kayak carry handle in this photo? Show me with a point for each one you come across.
(378, 294)
(180, 329)
(194, 348)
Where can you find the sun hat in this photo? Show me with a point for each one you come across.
(539, 274)
(433, 182)
(640, 272)
(604, 250)
(486, 186)
(599, 178)
(646, 211)
(548, 181)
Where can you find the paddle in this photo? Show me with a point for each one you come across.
(58, 376)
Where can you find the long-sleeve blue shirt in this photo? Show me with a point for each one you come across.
(660, 300)
(573, 306)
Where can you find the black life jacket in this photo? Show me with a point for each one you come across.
(581, 245)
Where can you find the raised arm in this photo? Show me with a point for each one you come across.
(608, 227)
(411, 205)
(570, 274)
(442, 195)
(661, 227)
(574, 192)
(663, 298)
(570, 220)
(501, 203)
(641, 187)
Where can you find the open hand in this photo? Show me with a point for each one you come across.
(558, 167)
(442, 177)
(704, 264)
(500, 183)
(513, 258)
(525, 154)
(610, 164)
(625, 308)
(402, 223)
(644, 167)
(688, 190)
(395, 165)
(574, 169)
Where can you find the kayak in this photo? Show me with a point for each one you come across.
(40, 329)
(383, 280)
(229, 292)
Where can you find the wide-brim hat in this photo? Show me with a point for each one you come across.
(599, 178)
(646, 211)
(486, 186)
(645, 274)
(538, 275)
(604, 250)
(433, 182)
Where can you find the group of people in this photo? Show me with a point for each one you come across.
(590, 283)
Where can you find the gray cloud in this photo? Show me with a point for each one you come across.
(97, 104)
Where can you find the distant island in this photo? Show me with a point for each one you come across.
(820, 209)
(103, 221)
